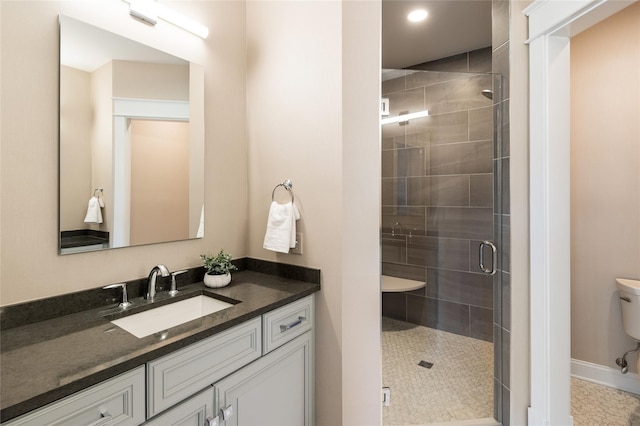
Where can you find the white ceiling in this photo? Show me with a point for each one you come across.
(87, 48)
(452, 27)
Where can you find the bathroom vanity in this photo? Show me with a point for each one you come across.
(250, 363)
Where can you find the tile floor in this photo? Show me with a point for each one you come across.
(459, 387)
(596, 405)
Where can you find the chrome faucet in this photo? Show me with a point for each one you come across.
(151, 281)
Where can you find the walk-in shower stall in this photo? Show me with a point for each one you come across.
(443, 223)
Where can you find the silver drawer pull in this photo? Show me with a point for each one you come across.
(286, 327)
(212, 421)
(105, 418)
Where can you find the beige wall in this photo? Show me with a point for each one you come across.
(361, 163)
(143, 80)
(75, 150)
(159, 181)
(313, 93)
(605, 182)
(101, 141)
(29, 129)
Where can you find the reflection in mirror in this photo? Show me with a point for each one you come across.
(131, 142)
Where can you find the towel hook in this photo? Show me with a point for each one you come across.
(98, 190)
(288, 185)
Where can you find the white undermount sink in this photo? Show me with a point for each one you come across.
(167, 316)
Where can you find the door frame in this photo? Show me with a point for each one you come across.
(551, 26)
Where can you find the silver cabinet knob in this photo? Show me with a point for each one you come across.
(105, 418)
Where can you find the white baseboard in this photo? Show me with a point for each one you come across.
(606, 376)
(535, 419)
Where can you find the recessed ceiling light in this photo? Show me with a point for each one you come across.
(417, 15)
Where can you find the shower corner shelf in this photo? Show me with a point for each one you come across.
(395, 284)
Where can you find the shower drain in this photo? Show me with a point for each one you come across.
(425, 364)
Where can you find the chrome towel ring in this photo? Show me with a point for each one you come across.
(286, 185)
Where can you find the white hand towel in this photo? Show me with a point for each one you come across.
(94, 213)
(281, 227)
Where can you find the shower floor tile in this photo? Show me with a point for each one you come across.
(459, 385)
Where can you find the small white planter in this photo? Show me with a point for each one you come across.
(217, 281)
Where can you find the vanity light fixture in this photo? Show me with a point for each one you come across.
(150, 10)
(144, 10)
(417, 15)
(404, 117)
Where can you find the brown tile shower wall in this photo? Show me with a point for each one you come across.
(437, 195)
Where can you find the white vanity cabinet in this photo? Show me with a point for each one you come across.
(259, 373)
(117, 401)
(275, 389)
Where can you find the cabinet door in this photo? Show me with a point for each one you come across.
(275, 390)
(193, 412)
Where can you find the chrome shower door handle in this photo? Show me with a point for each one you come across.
(494, 258)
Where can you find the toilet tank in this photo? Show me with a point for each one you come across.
(630, 302)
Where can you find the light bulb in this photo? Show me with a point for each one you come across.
(417, 15)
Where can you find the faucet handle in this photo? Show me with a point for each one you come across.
(182, 271)
(125, 299)
(174, 286)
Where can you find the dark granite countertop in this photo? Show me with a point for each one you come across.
(45, 361)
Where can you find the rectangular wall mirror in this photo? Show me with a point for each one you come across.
(131, 142)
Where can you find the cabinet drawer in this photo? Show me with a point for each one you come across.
(176, 376)
(192, 412)
(117, 401)
(286, 323)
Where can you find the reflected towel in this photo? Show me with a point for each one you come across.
(281, 227)
(94, 212)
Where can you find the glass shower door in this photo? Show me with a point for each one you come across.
(441, 224)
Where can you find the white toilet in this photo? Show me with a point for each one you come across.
(630, 302)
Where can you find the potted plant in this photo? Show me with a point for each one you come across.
(218, 268)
